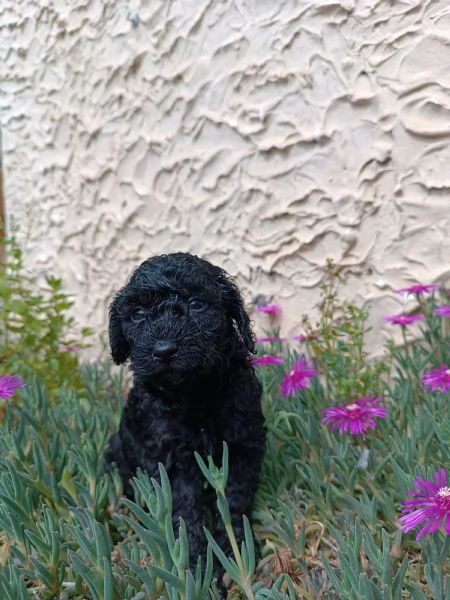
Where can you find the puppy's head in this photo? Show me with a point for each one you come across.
(178, 315)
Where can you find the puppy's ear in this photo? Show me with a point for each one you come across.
(235, 308)
(120, 348)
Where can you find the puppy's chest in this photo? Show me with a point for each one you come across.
(193, 431)
(203, 433)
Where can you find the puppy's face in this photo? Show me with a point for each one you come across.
(177, 317)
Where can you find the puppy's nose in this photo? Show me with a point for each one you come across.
(164, 349)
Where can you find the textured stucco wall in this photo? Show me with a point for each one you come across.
(262, 135)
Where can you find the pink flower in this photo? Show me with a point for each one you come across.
(269, 339)
(304, 338)
(295, 338)
(419, 289)
(64, 348)
(437, 379)
(297, 378)
(268, 359)
(8, 385)
(356, 417)
(442, 311)
(403, 320)
(269, 309)
(429, 503)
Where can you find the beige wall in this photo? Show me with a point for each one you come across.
(265, 136)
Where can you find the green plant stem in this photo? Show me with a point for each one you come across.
(246, 585)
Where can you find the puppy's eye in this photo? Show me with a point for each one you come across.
(138, 314)
(196, 304)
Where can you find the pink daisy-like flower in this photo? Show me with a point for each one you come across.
(8, 385)
(429, 503)
(267, 359)
(269, 339)
(304, 338)
(442, 311)
(419, 289)
(297, 378)
(437, 379)
(269, 309)
(65, 348)
(356, 417)
(403, 320)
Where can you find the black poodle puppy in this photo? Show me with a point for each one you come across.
(182, 324)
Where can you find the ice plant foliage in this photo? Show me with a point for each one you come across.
(267, 359)
(8, 385)
(437, 379)
(297, 378)
(442, 311)
(403, 320)
(269, 309)
(429, 504)
(356, 417)
(419, 289)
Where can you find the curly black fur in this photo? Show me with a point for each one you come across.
(182, 324)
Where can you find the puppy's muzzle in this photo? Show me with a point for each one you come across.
(164, 350)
